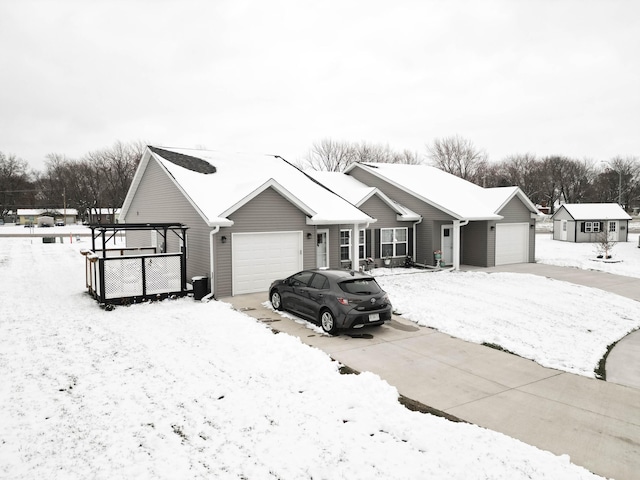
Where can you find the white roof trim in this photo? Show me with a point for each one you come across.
(135, 183)
(373, 171)
(148, 155)
(271, 183)
(523, 198)
(403, 213)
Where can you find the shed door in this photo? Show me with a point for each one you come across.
(512, 243)
(260, 258)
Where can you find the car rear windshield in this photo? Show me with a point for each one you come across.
(361, 286)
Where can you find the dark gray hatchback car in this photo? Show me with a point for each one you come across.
(336, 299)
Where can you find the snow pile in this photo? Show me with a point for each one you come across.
(185, 389)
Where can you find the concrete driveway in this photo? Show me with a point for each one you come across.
(596, 423)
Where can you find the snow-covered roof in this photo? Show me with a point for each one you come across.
(498, 197)
(357, 193)
(40, 211)
(238, 178)
(457, 197)
(595, 211)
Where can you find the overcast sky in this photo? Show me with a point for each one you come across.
(543, 77)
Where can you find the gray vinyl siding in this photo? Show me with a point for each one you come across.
(267, 212)
(157, 199)
(376, 208)
(516, 212)
(584, 237)
(428, 231)
(477, 244)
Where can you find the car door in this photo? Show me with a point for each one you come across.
(294, 297)
(314, 295)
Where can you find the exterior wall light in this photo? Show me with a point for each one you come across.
(223, 239)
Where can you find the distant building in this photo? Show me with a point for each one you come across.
(588, 222)
(103, 215)
(29, 216)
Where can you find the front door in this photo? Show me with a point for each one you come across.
(322, 249)
(563, 233)
(446, 242)
(612, 232)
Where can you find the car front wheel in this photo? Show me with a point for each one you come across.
(276, 300)
(328, 322)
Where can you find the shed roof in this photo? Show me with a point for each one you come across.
(233, 179)
(595, 211)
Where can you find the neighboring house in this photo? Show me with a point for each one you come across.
(102, 215)
(251, 218)
(588, 222)
(469, 224)
(29, 216)
(390, 238)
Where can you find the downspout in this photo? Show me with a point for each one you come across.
(456, 242)
(415, 238)
(215, 230)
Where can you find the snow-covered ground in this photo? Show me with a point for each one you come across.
(557, 324)
(183, 389)
(625, 256)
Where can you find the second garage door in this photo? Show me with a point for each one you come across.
(512, 243)
(260, 258)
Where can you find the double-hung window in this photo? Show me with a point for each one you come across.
(393, 242)
(345, 244)
(591, 227)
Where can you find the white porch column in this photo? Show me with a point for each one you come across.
(355, 251)
(456, 242)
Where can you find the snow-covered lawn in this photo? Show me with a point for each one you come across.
(182, 389)
(625, 255)
(557, 324)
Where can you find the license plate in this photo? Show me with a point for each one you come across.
(374, 317)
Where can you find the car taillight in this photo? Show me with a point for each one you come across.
(343, 301)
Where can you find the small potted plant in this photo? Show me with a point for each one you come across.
(437, 256)
(387, 261)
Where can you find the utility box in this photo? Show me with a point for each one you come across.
(200, 287)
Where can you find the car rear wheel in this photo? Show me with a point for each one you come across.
(276, 300)
(328, 322)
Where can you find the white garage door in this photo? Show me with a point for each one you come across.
(260, 258)
(512, 243)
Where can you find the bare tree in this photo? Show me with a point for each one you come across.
(330, 155)
(16, 188)
(458, 156)
(576, 178)
(100, 179)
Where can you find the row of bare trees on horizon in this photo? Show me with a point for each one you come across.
(101, 178)
(545, 180)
